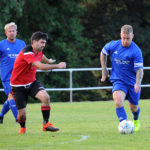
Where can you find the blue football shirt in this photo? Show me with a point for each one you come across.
(8, 53)
(124, 60)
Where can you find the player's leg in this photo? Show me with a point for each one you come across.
(6, 107)
(12, 106)
(119, 94)
(4, 110)
(134, 98)
(22, 120)
(42, 95)
(11, 102)
(135, 111)
(119, 97)
(21, 95)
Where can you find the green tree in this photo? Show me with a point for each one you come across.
(10, 10)
(103, 20)
(62, 21)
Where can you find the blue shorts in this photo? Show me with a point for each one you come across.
(7, 87)
(131, 95)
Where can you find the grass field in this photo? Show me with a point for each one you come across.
(83, 126)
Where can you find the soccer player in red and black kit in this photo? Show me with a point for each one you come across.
(24, 83)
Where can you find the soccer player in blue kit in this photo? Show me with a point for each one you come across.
(126, 74)
(9, 49)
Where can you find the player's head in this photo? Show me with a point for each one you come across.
(38, 40)
(126, 35)
(11, 31)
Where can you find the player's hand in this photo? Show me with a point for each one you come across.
(62, 65)
(105, 74)
(137, 87)
(51, 60)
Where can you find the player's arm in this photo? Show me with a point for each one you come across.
(139, 77)
(42, 66)
(46, 60)
(103, 61)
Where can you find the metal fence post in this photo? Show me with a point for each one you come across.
(71, 93)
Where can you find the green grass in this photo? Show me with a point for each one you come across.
(94, 121)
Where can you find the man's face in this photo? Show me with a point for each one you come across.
(11, 33)
(39, 45)
(126, 39)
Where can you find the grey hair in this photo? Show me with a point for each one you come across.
(127, 29)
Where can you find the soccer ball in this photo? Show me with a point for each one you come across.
(126, 127)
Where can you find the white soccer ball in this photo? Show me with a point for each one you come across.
(126, 127)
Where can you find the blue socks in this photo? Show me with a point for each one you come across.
(13, 108)
(121, 113)
(5, 108)
(9, 105)
(136, 114)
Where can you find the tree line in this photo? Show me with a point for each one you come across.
(78, 30)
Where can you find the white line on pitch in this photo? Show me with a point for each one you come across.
(83, 138)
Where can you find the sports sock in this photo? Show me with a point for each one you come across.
(136, 114)
(5, 108)
(13, 108)
(46, 113)
(22, 122)
(121, 113)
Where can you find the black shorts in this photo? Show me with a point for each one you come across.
(21, 93)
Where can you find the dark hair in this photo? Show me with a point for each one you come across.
(39, 35)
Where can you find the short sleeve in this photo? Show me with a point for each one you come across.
(31, 57)
(138, 59)
(106, 49)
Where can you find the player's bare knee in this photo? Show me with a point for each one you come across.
(118, 104)
(22, 117)
(134, 108)
(45, 98)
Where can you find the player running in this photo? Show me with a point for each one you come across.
(9, 49)
(24, 83)
(126, 74)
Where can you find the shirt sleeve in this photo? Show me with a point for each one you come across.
(138, 60)
(24, 44)
(106, 49)
(31, 57)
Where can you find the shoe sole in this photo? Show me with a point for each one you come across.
(51, 129)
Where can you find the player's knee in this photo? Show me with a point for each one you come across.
(21, 114)
(22, 117)
(46, 98)
(134, 109)
(118, 103)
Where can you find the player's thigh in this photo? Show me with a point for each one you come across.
(7, 87)
(133, 99)
(43, 96)
(20, 96)
(119, 95)
(37, 91)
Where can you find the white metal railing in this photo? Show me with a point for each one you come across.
(71, 89)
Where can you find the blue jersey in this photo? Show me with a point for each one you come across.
(8, 53)
(125, 61)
